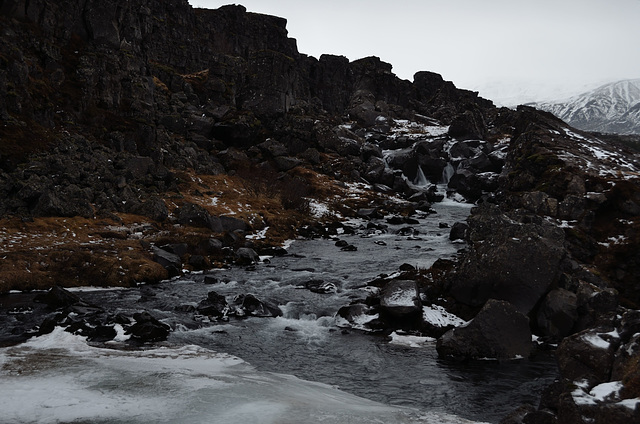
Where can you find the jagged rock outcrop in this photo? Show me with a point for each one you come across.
(115, 82)
(550, 229)
(511, 259)
(119, 108)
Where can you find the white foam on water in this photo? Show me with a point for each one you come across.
(60, 378)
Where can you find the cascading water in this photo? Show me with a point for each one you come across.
(447, 173)
(420, 180)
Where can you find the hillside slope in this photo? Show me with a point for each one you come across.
(612, 108)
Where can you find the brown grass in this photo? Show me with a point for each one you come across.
(105, 252)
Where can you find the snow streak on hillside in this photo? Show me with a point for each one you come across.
(612, 108)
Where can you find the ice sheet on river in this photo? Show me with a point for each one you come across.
(59, 378)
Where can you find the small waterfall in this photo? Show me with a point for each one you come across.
(447, 173)
(420, 180)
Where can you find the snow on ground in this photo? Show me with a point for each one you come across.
(358, 322)
(605, 392)
(608, 161)
(59, 378)
(260, 235)
(411, 129)
(319, 209)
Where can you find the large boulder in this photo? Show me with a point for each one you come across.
(67, 202)
(154, 208)
(509, 259)
(498, 331)
(58, 298)
(558, 313)
(169, 261)
(246, 256)
(196, 216)
(459, 231)
(588, 355)
(400, 299)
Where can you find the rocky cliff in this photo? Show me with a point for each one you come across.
(113, 108)
(140, 139)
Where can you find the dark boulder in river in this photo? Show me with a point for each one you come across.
(214, 305)
(511, 258)
(250, 305)
(499, 331)
(147, 328)
(400, 300)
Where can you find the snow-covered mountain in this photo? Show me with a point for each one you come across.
(611, 108)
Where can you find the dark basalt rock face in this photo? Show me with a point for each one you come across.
(498, 331)
(558, 313)
(510, 260)
(107, 107)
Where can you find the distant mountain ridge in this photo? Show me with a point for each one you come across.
(611, 108)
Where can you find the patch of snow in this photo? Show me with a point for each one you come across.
(259, 235)
(287, 244)
(629, 403)
(411, 341)
(618, 239)
(596, 340)
(120, 334)
(359, 322)
(606, 391)
(439, 317)
(92, 289)
(319, 209)
(567, 224)
(401, 297)
(412, 129)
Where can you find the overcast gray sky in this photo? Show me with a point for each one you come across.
(541, 48)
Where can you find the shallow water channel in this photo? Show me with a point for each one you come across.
(306, 343)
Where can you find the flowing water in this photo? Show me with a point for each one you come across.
(298, 368)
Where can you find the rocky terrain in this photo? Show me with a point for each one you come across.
(141, 140)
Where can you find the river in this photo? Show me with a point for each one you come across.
(298, 368)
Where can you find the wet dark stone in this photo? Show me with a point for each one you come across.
(407, 267)
(147, 328)
(459, 231)
(246, 256)
(400, 299)
(251, 305)
(498, 331)
(214, 305)
(169, 261)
